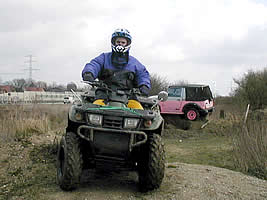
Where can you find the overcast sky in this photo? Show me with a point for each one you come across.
(208, 41)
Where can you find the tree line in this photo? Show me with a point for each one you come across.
(19, 85)
(158, 83)
(251, 87)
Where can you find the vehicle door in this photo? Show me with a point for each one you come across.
(173, 104)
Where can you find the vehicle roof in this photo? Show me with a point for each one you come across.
(188, 85)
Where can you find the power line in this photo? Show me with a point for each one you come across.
(30, 69)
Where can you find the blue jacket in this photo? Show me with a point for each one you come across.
(103, 61)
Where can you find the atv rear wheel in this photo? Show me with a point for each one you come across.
(192, 114)
(151, 165)
(69, 162)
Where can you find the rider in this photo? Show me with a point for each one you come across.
(118, 69)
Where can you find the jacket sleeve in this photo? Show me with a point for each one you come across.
(95, 65)
(143, 76)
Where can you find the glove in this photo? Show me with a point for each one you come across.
(144, 90)
(88, 76)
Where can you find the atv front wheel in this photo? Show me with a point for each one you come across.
(69, 162)
(151, 165)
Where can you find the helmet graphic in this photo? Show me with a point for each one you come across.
(124, 33)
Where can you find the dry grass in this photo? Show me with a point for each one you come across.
(249, 144)
(249, 141)
(28, 171)
(250, 148)
(18, 122)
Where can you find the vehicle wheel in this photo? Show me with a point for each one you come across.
(69, 162)
(192, 114)
(151, 165)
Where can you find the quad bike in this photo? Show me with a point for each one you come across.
(113, 137)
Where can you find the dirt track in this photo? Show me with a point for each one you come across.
(182, 181)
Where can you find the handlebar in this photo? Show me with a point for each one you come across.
(102, 85)
(98, 84)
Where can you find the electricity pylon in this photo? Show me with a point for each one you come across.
(30, 69)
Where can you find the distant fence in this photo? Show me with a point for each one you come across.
(34, 97)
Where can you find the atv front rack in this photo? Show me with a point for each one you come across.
(90, 137)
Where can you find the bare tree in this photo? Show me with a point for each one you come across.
(41, 84)
(180, 82)
(18, 84)
(54, 87)
(158, 83)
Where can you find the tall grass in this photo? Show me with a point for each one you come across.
(250, 148)
(18, 122)
(249, 141)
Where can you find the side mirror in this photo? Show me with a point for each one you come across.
(163, 96)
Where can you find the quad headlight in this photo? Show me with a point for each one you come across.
(95, 119)
(130, 122)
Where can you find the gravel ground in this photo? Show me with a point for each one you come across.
(181, 182)
(206, 182)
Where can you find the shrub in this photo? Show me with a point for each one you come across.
(252, 89)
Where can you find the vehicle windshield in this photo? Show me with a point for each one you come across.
(198, 93)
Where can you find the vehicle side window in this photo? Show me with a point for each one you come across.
(198, 93)
(175, 92)
(207, 93)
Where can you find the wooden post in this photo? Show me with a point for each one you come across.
(246, 116)
(222, 115)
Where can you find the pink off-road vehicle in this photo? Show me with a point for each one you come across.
(191, 101)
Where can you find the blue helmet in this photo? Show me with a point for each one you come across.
(121, 32)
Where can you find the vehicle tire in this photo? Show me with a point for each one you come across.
(151, 165)
(69, 162)
(192, 114)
